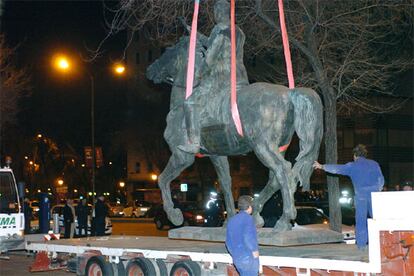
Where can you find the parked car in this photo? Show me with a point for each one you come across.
(193, 216)
(138, 210)
(312, 218)
(116, 210)
(58, 209)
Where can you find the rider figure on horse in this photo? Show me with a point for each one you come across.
(216, 72)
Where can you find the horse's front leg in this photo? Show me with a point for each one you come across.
(271, 187)
(178, 162)
(221, 164)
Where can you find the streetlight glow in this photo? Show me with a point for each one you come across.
(119, 69)
(154, 176)
(121, 184)
(60, 182)
(62, 63)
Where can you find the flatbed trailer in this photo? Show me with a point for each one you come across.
(390, 252)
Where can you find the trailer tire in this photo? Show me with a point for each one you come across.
(141, 264)
(98, 266)
(191, 268)
(162, 267)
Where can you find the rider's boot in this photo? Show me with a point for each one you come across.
(193, 128)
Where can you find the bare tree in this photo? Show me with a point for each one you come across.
(14, 84)
(347, 50)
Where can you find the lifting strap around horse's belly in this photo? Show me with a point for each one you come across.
(191, 52)
(233, 75)
(286, 48)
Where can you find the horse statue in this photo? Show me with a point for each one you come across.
(270, 114)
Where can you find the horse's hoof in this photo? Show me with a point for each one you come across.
(176, 216)
(282, 225)
(259, 221)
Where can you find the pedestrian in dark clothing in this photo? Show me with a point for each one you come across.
(366, 178)
(101, 212)
(68, 219)
(241, 239)
(82, 214)
(27, 215)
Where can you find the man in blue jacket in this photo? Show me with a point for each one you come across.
(366, 178)
(241, 239)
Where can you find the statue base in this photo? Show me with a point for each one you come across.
(266, 236)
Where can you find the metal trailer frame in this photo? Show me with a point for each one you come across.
(385, 219)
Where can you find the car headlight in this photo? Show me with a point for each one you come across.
(199, 217)
(144, 209)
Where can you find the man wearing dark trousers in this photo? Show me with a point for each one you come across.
(27, 215)
(366, 178)
(101, 212)
(241, 239)
(68, 219)
(82, 215)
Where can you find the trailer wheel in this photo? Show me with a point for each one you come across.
(185, 268)
(97, 266)
(140, 266)
(162, 267)
(158, 224)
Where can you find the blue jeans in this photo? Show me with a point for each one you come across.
(363, 211)
(247, 265)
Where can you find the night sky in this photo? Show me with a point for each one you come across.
(59, 106)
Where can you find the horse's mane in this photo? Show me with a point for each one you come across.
(182, 44)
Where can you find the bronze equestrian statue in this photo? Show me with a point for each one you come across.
(270, 114)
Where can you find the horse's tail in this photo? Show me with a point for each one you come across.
(309, 128)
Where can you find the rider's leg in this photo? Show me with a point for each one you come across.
(192, 122)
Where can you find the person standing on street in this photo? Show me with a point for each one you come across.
(241, 239)
(101, 212)
(82, 215)
(27, 215)
(69, 219)
(366, 178)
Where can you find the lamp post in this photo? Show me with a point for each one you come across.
(62, 63)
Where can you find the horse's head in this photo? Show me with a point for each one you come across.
(171, 66)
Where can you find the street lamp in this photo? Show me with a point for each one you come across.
(121, 184)
(63, 64)
(154, 176)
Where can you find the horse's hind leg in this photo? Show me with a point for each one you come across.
(176, 164)
(221, 164)
(271, 187)
(282, 169)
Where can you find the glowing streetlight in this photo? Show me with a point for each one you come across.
(121, 184)
(119, 69)
(62, 63)
(154, 176)
(60, 182)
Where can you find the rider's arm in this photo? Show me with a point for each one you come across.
(214, 50)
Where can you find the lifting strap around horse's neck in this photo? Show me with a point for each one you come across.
(233, 72)
(191, 52)
(286, 49)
